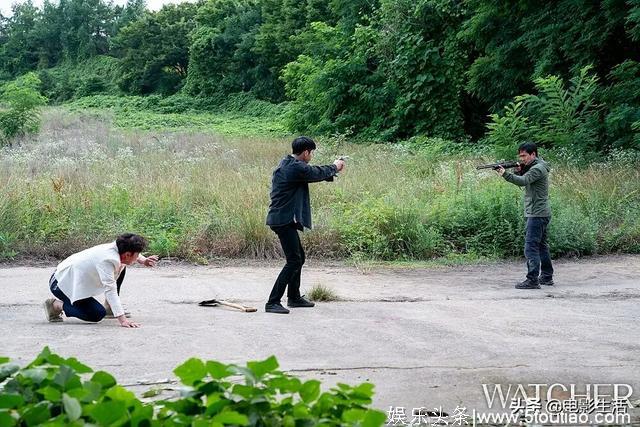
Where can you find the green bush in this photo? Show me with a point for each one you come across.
(56, 391)
(504, 129)
(6, 246)
(237, 114)
(375, 228)
(244, 104)
(622, 97)
(487, 221)
(572, 233)
(22, 116)
(623, 237)
(72, 80)
(555, 117)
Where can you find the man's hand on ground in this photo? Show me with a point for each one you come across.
(339, 164)
(148, 261)
(126, 323)
(500, 171)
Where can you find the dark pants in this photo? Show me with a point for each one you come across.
(290, 274)
(121, 279)
(88, 309)
(536, 249)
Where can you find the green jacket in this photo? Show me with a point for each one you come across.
(536, 183)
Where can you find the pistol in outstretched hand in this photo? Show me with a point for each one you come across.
(340, 162)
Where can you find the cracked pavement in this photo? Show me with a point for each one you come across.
(426, 337)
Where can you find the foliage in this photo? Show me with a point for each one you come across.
(6, 247)
(221, 61)
(323, 293)
(376, 229)
(242, 104)
(59, 391)
(565, 117)
(379, 70)
(517, 42)
(511, 126)
(622, 97)
(70, 30)
(22, 116)
(424, 64)
(67, 81)
(199, 195)
(239, 114)
(154, 50)
(397, 76)
(556, 117)
(342, 94)
(276, 40)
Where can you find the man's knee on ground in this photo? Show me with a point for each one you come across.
(97, 315)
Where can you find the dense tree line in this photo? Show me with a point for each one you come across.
(381, 69)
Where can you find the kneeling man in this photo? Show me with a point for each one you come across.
(95, 271)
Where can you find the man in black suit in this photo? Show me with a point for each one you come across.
(290, 211)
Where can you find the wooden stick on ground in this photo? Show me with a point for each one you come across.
(214, 302)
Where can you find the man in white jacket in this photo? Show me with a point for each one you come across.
(92, 272)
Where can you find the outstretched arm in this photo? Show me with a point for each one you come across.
(307, 173)
(149, 261)
(532, 175)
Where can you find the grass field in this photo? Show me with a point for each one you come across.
(197, 194)
(234, 116)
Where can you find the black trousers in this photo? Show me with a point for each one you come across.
(121, 279)
(536, 250)
(88, 309)
(289, 277)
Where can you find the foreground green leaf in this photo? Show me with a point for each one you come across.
(71, 407)
(191, 371)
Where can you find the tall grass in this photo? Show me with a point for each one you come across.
(198, 195)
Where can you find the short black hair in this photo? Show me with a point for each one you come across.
(302, 143)
(129, 242)
(529, 147)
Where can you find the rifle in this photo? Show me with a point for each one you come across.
(500, 164)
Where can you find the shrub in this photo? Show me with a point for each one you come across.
(487, 221)
(555, 117)
(23, 101)
(70, 80)
(571, 232)
(623, 237)
(622, 122)
(511, 126)
(6, 249)
(377, 229)
(323, 293)
(59, 391)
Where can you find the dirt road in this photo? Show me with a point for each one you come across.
(425, 337)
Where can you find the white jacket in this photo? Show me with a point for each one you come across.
(92, 272)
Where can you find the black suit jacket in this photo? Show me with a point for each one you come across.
(290, 191)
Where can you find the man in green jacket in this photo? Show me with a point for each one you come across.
(534, 177)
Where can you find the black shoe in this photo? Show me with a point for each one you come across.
(546, 282)
(299, 302)
(275, 308)
(528, 284)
